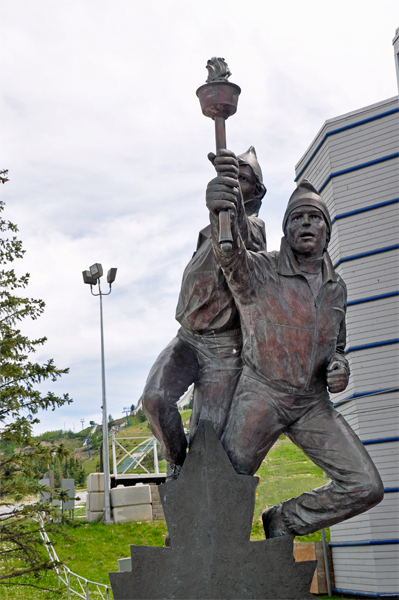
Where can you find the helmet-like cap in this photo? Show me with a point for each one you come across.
(249, 158)
(307, 195)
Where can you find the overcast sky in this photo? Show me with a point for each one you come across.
(106, 147)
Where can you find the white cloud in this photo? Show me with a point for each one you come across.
(106, 147)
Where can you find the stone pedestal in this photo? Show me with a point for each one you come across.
(209, 510)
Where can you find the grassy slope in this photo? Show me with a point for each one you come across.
(92, 550)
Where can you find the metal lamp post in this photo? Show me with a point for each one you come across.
(127, 411)
(92, 277)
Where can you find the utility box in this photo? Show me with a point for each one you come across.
(68, 484)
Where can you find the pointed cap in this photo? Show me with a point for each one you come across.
(306, 195)
(249, 158)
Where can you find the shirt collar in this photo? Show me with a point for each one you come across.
(288, 266)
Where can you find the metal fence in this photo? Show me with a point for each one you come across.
(76, 585)
(132, 459)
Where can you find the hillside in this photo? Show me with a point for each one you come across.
(285, 473)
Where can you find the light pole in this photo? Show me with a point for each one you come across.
(127, 411)
(91, 277)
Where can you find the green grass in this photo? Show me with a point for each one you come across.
(92, 549)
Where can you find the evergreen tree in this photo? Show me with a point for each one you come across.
(20, 400)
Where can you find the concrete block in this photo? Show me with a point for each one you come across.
(127, 514)
(124, 564)
(95, 501)
(130, 496)
(95, 482)
(92, 516)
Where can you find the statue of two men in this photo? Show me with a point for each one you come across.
(207, 348)
(289, 307)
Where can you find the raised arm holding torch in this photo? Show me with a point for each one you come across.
(218, 99)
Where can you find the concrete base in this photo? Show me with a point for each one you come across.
(95, 501)
(209, 511)
(95, 482)
(130, 496)
(92, 516)
(124, 564)
(127, 514)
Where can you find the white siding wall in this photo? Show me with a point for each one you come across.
(370, 568)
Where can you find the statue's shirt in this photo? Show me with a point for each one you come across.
(289, 334)
(205, 303)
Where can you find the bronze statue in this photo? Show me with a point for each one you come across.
(292, 307)
(207, 348)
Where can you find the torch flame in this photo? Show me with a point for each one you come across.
(218, 70)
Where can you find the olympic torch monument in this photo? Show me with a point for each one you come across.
(262, 338)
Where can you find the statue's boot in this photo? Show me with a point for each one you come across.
(172, 471)
(273, 522)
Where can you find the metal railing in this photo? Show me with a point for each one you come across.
(76, 584)
(132, 459)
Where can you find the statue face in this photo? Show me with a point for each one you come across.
(247, 180)
(306, 231)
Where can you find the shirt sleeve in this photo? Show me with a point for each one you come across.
(341, 340)
(239, 265)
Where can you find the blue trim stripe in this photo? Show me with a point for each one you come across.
(374, 345)
(365, 209)
(368, 543)
(391, 490)
(370, 163)
(364, 254)
(367, 594)
(372, 298)
(339, 130)
(363, 394)
(380, 441)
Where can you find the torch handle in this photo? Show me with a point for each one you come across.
(225, 237)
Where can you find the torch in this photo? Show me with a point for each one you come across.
(218, 99)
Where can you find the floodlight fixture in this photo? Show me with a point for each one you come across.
(92, 277)
(88, 278)
(96, 271)
(111, 275)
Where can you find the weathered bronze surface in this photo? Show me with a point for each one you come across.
(292, 307)
(207, 348)
(209, 512)
(218, 99)
(263, 338)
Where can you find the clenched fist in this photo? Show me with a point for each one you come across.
(337, 376)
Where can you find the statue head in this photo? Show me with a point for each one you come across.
(307, 222)
(251, 175)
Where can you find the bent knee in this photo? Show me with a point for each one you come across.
(368, 493)
(153, 401)
(375, 492)
(157, 400)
